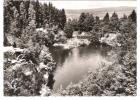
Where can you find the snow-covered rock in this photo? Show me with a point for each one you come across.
(110, 39)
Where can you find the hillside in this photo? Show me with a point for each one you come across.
(99, 11)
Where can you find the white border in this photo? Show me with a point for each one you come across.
(70, 98)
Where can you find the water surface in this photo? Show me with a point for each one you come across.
(74, 64)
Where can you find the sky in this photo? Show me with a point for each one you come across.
(89, 4)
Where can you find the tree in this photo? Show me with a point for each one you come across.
(27, 3)
(14, 27)
(23, 16)
(45, 14)
(88, 22)
(74, 24)
(81, 20)
(31, 12)
(114, 22)
(97, 26)
(97, 19)
(8, 15)
(31, 19)
(68, 29)
(62, 18)
(39, 14)
(106, 18)
(114, 17)
(29, 29)
(133, 16)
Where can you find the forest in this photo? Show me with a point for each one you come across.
(31, 28)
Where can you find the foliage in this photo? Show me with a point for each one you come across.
(68, 29)
(118, 78)
(26, 76)
(114, 22)
(86, 22)
(22, 17)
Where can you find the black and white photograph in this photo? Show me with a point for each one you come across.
(69, 48)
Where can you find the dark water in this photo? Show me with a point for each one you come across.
(74, 64)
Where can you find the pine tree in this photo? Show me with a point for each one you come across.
(31, 12)
(106, 18)
(62, 18)
(14, 27)
(114, 22)
(80, 22)
(50, 9)
(88, 22)
(27, 3)
(23, 16)
(68, 29)
(133, 16)
(97, 19)
(8, 15)
(114, 17)
(39, 15)
(31, 19)
(45, 13)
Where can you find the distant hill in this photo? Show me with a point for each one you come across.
(99, 11)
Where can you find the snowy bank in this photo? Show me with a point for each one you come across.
(72, 43)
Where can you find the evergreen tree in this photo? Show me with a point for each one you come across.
(45, 13)
(27, 3)
(50, 9)
(23, 16)
(68, 29)
(62, 18)
(133, 16)
(114, 22)
(114, 17)
(106, 18)
(97, 26)
(14, 27)
(97, 19)
(31, 12)
(8, 15)
(80, 22)
(39, 14)
(31, 19)
(88, 22)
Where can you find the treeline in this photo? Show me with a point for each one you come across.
(24, 16)
(87, 22)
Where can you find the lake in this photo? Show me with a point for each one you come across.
(74, 64)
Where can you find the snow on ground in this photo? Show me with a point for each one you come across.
(110, 39)
(11, 49)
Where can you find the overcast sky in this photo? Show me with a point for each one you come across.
(89, 4)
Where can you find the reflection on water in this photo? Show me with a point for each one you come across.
(73, 64)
